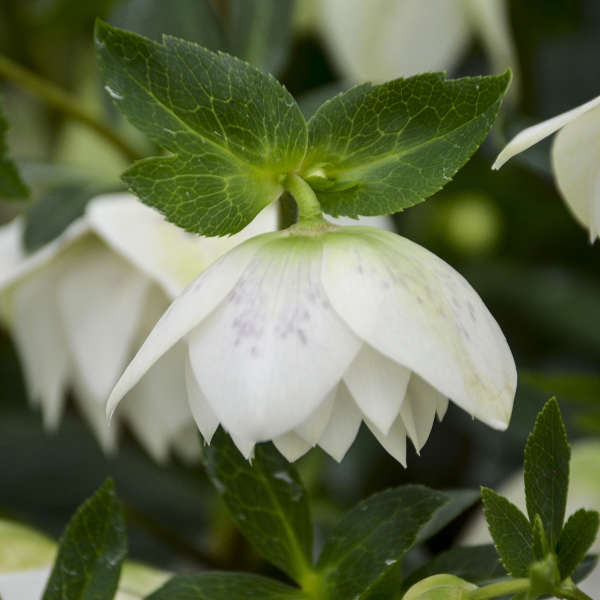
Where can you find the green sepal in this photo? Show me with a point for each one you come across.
(540, 543)
(91, 550)
(231, 131)
(544, 576)
(510, 531)
(546, 471)
(375, 150)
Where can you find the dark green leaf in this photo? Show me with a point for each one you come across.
(373, 536)
(477, 564)
(266, 500)
(375, 150)
(547, 455)
(48, 217)
(224, 586)
(193, 20)
(231, 130)
(576, 538)
(510, 531)
(261, 32)
(11, 184)
(91, 550)
(540, 543)
(459, 501)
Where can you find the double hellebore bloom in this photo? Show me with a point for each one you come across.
(80, 306)
(300, 335)
(575, 159)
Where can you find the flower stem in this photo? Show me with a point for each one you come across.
(494, 590)
(63, 101)
(309, 208)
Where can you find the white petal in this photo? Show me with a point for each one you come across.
(291, 445)
(205, 418)
(383, 222)
(41, 344)
(394, 442)
(383, 39)
(421, 403)
(156, 409)
(22, 585)
(312, 428)
(274, 348)
(196, 302)
(245, 446)
(343, 425)
(100, 298)
(442, 406)
(576, 160)
(412, 307)
(377, 385)
(94, 414)
(167, 254)
(532, 135)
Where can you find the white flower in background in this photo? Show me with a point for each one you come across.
(26, 559)
(298, 336)
(575, 159)
(384, 39)
(80, 307)
(584, 492)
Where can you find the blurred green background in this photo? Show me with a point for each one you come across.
(508, 232)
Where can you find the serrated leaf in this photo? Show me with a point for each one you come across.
(510, 531)
(231, 130)
(373, 536)
(477, 564)
(12, 186)
(375, 150)
(91, 550)
(458, 502)
(225, 586)
(53, 212)
(267, 501)
(546, 471)
(261, 32)
(576, 538)
(540, 543)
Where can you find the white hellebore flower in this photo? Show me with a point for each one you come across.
(383, 39)
(80, 307)
(575, 159)
(300, 335)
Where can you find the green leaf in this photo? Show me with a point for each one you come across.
(49, 216)
(459, 501)
(224, 586)
(91, 550)
(585, 568)
(231, 131)
(373, 536)
(261, 32)
(540, 543)
(576, 538)
(267, 501)
(510, 531)
(11, 184)
(375, 150)
(477, 564)
(547, 456)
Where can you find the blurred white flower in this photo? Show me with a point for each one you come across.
(298, 336)
(584, 492)
(80, 307)
(384, 39)
(26, 559)
(575, 159)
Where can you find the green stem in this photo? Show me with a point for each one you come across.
(494, 590)
(573, 594)
(309, 208)
(63, 101)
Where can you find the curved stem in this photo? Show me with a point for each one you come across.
(63, 101)
(309, 208)
(494, 590)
